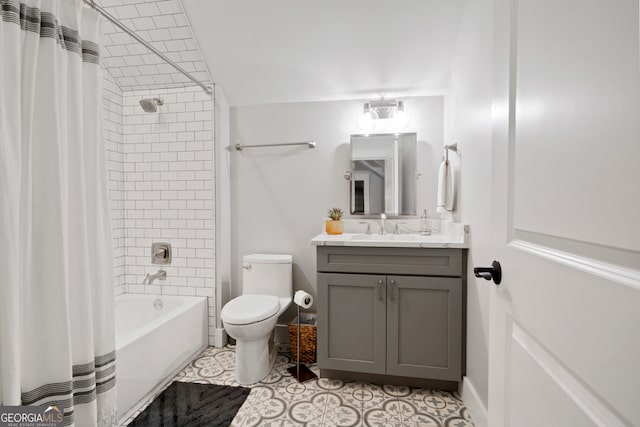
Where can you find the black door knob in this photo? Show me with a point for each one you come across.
(494, 272)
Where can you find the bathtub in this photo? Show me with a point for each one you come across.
(153, 343)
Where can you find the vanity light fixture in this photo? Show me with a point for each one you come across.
(369, 118)
(399, 118)
(391, 109)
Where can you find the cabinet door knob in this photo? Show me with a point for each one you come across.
(392, 297)
(380, 290)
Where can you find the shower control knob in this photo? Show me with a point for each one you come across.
(161, 253)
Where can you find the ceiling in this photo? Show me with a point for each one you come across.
(295, 51)
(286, 50)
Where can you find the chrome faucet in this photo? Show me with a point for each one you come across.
(383, 220)
(160, 275)
(368, 224)
(396, 229)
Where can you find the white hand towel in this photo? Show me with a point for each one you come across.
(446, 188)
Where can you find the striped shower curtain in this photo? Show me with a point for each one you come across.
(56, 296)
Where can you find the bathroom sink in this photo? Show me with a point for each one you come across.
(387, 237)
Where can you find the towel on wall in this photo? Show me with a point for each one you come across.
(446, 188)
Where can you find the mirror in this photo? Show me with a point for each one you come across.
(383, 174)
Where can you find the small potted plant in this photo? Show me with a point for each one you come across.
(334, 224)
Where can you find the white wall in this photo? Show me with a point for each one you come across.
(280, 195)
(468, 118)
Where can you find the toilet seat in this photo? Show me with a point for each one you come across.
(247, 309)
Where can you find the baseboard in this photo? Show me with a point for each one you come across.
(281, 332)
(474, 405)
(220, 337)
(382, 379)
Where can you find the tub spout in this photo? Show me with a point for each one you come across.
(160, 275)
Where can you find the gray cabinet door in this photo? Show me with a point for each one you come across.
(352, 322)
(424, 327)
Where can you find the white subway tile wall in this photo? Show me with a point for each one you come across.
(113, 140)
(161, 176)
(169, 192)
(160, 164)
(164, 25)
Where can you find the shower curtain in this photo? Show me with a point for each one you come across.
(57, 344)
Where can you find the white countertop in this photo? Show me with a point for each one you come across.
(456, 237)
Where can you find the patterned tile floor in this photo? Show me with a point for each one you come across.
(279, 400)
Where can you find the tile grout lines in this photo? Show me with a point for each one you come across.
(280, 400)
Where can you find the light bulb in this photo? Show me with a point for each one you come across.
(400, 119)
(369, 118)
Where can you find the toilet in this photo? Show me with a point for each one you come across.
(251, 317)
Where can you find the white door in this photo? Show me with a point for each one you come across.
(565, 321)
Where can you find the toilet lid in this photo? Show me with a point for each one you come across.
(247, 309)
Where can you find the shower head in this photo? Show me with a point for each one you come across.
(150, 105)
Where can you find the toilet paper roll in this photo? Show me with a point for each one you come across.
(303, 299)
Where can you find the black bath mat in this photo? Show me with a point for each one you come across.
(193, 405)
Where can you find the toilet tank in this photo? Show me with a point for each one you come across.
(267, 274)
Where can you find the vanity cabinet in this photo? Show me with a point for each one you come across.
(391, 311)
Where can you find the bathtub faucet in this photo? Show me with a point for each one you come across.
(160, 275)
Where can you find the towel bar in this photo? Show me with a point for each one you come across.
(452, 147)
(310, 144)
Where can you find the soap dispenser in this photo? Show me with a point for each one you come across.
(425, 230)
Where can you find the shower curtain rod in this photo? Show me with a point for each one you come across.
(92, 4)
